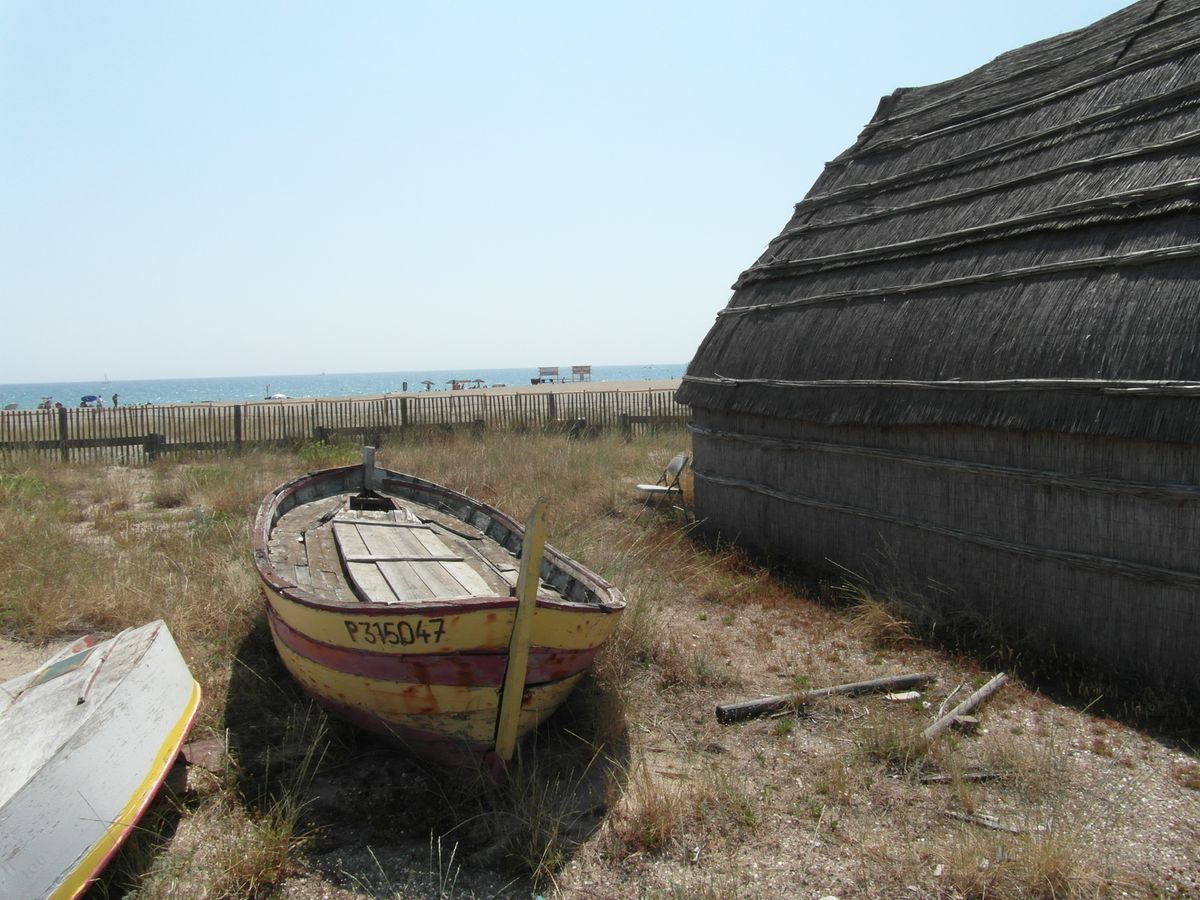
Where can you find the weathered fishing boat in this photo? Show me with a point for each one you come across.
(85, 741)
(394, 602)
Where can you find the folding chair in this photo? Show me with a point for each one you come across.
(668, 485)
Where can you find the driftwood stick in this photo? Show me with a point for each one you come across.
(986, 821)
(942, 778)
(965, 707)
(750, 709)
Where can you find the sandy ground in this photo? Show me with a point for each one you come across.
(18, 657)
(649, 384)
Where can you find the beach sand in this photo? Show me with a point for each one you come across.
(649, 384)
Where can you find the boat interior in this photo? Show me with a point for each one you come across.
(371, 547)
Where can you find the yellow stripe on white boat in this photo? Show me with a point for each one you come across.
(81, 876)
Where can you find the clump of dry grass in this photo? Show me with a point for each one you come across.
(651, 814)
(224, 850)
(681, 666)
(1036, 864)
(223, 844)
(899, 745)
(1188, 776)
(728, 802)
(837, 779)
(875, 619)
(673, 816)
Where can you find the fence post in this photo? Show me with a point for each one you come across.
(321, 434)
(62, 434)
(626, 427)
(152, 445)
(237, 428)
(403, 413)
(551, 407)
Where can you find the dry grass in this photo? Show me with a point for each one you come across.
(1050, 864)
(631, 789)
(876, 620)
(1188, 775)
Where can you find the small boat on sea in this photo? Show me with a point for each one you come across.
(86, 739)
(393, 602)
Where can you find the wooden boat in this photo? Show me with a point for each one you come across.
(393, 600)
(85, 741)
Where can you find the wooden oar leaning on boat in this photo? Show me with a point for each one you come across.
(518, 648)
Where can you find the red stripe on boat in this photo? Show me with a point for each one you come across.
(483, 669)
(441, 749)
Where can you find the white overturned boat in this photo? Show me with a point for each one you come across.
(85, 741)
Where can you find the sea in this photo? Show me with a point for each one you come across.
(333, 384)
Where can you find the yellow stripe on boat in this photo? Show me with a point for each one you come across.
(483, 629)
(85, 871)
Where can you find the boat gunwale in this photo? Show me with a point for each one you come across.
(608, 598)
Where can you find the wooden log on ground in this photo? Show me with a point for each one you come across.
(965, 707)
(943, 778)
(750, 709)
(985, 820)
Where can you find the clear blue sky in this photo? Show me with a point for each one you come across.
(246, 188)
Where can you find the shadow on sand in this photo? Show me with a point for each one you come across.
(380, 823)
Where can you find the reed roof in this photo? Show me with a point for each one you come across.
(1015, 248)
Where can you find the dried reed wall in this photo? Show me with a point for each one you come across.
(969, 361)
(1080, 544)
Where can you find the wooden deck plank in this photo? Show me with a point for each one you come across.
(404, 515)
(472, 582)
(458, 526)
(399, 557)
(371, 582)
(287, 549)
(303, 578)
(433, 544)
(498, 557)
(349, 540)
(328, 585)
(284, 570)
(325, 565)
(305, 516)
(405, 582)
(441, 582)
(388, 543)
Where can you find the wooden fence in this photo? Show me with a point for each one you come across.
(136, 434)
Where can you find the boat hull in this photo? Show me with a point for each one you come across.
(428, 673)
(436, 705)
(71, 796)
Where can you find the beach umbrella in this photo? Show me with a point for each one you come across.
(89, 398)
(428, 384)
(478, 382)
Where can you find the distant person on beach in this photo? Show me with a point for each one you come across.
(115, 399)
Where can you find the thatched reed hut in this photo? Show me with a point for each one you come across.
(970, 363)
